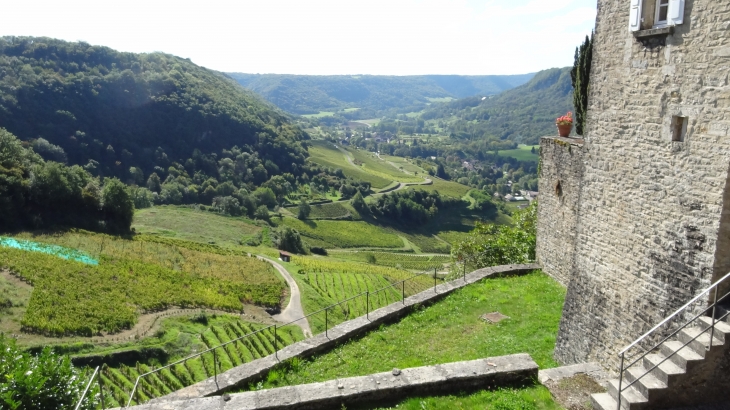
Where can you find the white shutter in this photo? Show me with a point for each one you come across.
(635, 15)
(676, 12)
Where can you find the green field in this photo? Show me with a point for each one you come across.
(337, 210)
(320, 114)
(324, 153)
(448, 331)
(527, 398)
(193, 225)
(343, 234)
(375, 166)
(447, 188)
(523, 153)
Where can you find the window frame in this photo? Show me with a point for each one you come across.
(657, 12)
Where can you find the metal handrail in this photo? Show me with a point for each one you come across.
(325, 309)
(645, 352)
(88, 386)
(678, 311)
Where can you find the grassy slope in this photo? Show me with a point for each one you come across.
(448, 331)
(323, 153)
(529, 398)
(193, 225)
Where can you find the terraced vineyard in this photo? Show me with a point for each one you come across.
(332, 281)
(336, 287)
(74, 298)
(120, 380)
(398, 260)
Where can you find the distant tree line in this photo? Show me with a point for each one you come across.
(411, 206)
(41, 194)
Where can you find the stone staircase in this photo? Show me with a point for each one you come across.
(666, 376)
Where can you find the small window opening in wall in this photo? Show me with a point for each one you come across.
(679, 128)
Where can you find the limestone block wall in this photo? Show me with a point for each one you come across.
(652, 224)
(561, 171)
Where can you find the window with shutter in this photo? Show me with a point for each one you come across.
(635, 17)
(675, 12)
(650, 14)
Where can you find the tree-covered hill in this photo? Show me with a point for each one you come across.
(129, 115)
(307, 94)
(522, 114)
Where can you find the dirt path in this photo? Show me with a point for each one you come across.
(293, 309)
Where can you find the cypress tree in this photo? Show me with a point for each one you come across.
(580, 76)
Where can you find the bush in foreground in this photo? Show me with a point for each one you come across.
(46, 381)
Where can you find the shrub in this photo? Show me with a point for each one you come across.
(318, 250)
(45, 381)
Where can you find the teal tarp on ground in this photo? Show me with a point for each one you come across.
(60, 251)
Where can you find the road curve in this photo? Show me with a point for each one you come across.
(293, 309)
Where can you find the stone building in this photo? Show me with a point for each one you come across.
(635, 218)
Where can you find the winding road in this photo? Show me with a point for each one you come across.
(293, 309)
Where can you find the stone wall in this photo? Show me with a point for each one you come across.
(561, 170)
(651, 209)
(375, 389)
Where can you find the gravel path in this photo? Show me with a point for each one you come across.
(293, 310)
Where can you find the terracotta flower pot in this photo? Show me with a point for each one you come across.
(564, 130)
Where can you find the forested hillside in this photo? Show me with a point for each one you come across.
(523, 114)
(309, 94)
(132, 115)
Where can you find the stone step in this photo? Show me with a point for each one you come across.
(631, 398)
(722, 329)
(667, 371)
(724, 310)
(603, 401)
(698, 339)
(645, 382)
(684, 357)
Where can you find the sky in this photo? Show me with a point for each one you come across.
(324, 37)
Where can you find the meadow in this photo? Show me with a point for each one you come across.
(380, 167)
(324, 153)
(447, 188)
(336, 210)
(193, 225)
(343, 234)
(523, 153)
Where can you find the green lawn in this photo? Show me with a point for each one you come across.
(523, 153)
(528, 398)
(448, 331)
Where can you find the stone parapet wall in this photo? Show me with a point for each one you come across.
(561, 172)
(653, 223)
(381, 388)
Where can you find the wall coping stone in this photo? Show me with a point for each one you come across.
(572, 141)
(257, 369)
(516, 369)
